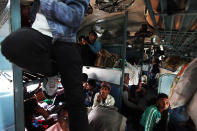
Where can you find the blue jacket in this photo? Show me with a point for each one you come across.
(95, 47)
(64, 17)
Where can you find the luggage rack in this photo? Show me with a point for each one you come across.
(178, 36)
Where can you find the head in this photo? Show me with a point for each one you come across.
(105, 90)
(63, 118)
(91, 84)
(162, 102)
(126, 78)
(82, 40)
(92, 36)
(84, 77)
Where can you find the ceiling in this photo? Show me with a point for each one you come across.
(172, 22)
(135, 15)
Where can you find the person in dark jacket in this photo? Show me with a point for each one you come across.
(49, 48)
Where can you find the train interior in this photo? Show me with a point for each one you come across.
(135, 34)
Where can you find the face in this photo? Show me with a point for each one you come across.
(85, 84)
(163, 103)
(126, 79)
(104, 92)
(88, 86)
(63, 120)
(83, 41)
(92, 37)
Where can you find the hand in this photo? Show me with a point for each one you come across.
(99, 98)
(99, 53)
(39, 85)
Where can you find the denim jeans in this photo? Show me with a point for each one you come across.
(35, 52)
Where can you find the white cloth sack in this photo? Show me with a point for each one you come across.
(186, 87)
(192, 109)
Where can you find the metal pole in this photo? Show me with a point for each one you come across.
(17, 73)
(123, 57)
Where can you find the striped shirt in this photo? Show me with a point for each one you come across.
(150, 118)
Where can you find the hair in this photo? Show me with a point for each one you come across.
(94, 33)
(161, 95)
(84, 77)
(126, 74)
(154, 100)
(106, 84)
(92, 83)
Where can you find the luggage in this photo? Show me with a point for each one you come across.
(191, 109)
(106, 59)
(186, 87)
(4, 12)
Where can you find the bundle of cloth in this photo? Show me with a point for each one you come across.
(104, 118)
(185, 91)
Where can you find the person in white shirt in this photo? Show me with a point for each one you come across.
(103, 98)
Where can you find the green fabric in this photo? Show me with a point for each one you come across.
(48, 101)
(150, 118)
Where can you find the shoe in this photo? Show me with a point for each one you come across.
(50, 85)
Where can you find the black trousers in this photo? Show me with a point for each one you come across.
(33, 51)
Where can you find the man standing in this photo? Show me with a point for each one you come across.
(95, 47)
(49, 47)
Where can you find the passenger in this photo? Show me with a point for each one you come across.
(85, 51)
(62, 123)
(153, 72)
(103, 98)
(31, 109)
(128, 100)
(130, 109)
(50, 47)
(155, 117)
(94, 45)
(90, 91)
(83, 40)
(141, 89)
(84, 80)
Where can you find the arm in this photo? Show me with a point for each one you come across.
(127, 102)
(150, 121)
(70, 13)
(96, 47)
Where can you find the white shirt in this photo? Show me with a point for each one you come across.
(40, 24)
(108, 102)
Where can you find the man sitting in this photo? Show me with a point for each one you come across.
(103, 97)
(155, 117)
(89, 92)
